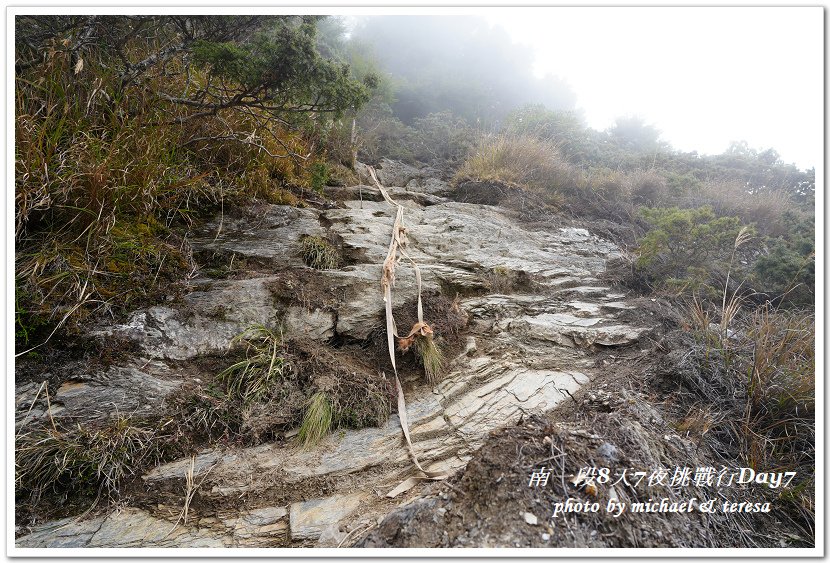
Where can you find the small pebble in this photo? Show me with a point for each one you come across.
(531, 518)
(608, 452)
(546, 537)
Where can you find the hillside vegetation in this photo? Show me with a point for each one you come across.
(131, 129)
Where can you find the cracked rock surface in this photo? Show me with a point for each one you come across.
(538, 314)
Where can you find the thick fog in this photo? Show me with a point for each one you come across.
(704, 77)
(460, 64)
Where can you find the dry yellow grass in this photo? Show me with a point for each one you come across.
(524, 161)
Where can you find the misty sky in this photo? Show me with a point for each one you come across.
(703, 76)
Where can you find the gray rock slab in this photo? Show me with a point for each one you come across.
(65, 533)
(271, 232)
(128, 527)
(204, 323)
(309, 518)
(125, 390)
(261, 527)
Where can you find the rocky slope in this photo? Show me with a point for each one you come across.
(540, 321)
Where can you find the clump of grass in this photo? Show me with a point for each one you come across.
(205, 411)
(499, 279)
(359, 396)
(646, 187)
(361, 400)
(317, 421)
(765, 207)
(754, 373)
(244, 403)
(779, 416)
(430, 356)
(318, 253)
(697, 422)
(521, 160)
(254, 377)
(446, 322)
(252, 402)
(608, 184)
(84, 456)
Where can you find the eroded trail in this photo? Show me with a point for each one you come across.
(538, 316)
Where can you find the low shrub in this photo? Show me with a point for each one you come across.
(385, 136)
(785, 272)
(319, 176)
(441, 139)
(685, 248)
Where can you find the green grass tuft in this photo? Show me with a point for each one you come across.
(318, 253)
(317, 421)
(254, 377)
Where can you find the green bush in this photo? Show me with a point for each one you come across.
(382, 135)
(788, 268)
(685, 246)
(442, 137)
(438, 138)
(319, 176)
